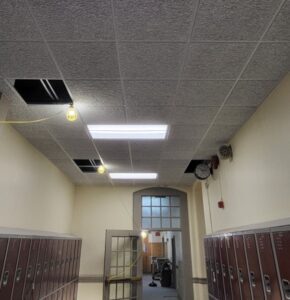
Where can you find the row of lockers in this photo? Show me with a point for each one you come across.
(249, 265)
(68, 292)
(33, 268)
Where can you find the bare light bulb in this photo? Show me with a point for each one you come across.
(101, 169)
(71, 114)
(144, 234)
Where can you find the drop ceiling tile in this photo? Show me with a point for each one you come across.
(187, 131)
(113, 150)
(179, 145)
(95, 178)
(251, 92)
(36, 131)
(221, 133)
(79, 148)
(153, 20)
(279, 29)
(234, 115)
(194, 115)
(67, 167)
(271, 61)
(103, 115)
(19, 113)
(68, 131)
(187, 179)
(86, 60)
(118, 165)
(174, 163)
(216, 60)
(146, 165)
(26, 60)
(155, 93)
(96, 92)
(149, 114)
(16, 22)
(150, 150)
(202, 93)
(151, 60)
(205, 153)
(48, 147)
(233, 20)
(74, 19)
(171, 173)
(176, 155)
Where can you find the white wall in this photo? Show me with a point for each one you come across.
(255, 185)
(34, 194)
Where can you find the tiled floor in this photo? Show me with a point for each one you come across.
(157, 293)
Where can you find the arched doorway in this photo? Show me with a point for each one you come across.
(165, 209)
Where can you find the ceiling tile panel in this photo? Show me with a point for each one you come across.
(187, 131)
(194, 115)
(202, 93)
(221, 133)
(79, 148)
(16, 22)
(146, 165)
(146, 149)
(205, 153)
(74, 19)
(151, 60)
(280, 27)
(233, 20)
(68, 131)
(26, 60)
(155, 93)
(113, 150)
(234, 115)
(32, 131)
(118, 165)
(172, 163)
(86, 60)
(271, 61)
(154, 19)
(96, 92)
(251, 92)
(176, 155)
(181, 144)
(216, 60)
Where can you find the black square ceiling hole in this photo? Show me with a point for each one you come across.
(192, 165)
(42, 91)
(88, 165)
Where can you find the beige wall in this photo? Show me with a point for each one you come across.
(255, 185)
(34, 194)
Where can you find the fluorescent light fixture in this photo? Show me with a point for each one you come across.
(128, 132)
(133, 175)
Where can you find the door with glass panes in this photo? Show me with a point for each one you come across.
(123, 265)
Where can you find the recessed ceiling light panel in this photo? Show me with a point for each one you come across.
(133, 175)
(128, 132)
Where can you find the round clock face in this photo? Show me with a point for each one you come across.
(202, 171)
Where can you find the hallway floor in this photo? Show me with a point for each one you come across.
(157, 293)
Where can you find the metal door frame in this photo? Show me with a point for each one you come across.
(107, 261)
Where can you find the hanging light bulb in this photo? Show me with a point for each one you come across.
(101, 169)
(144, 234)
(71, 113)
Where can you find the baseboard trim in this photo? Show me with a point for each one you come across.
(91, 278)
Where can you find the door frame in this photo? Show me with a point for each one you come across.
(186, 250)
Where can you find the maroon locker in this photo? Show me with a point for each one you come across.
(282, 246)
(233, 268)
(268, 268)
(39, 268)
(3, 249)
(75, 275)
(75, 293)
(254, 267)
(72, 260)
(31, 268)
(67, 261)
(71, 291)
(52, 267)
(19, 278)
(9, 268)
(63, 263)
(225, 270)
(60, 295)
(212, 269)
(79, 257)
(58, 265)
(220, 286)
(46, 265)
(242, 267)
(207, 261)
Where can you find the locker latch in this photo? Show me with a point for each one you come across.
(252, 279)
(18, 274)
(5, 278)
(286, 288)
(217, 267)
(231, 271)
(213, 275)
(29, 272)
(267, 284)
(241, 276)
(224, 270)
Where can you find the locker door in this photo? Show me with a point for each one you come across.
(3, 249)
(39, 268)
(75, 294)
(63, 262)
(242, 267)
(233, 268)
(254, 267)
(31, 268)
(225, 269)
(72, 260)
(9, 269)
(67, 261)
(58, 265)
(282, 246)
(19, 278)
(207, 262)
(220, 286)
(212, 269)
(52, 267)
(60, 295)
(46, 264)
(79, 257)
(269, 274)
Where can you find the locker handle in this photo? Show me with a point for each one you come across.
(18, 274)
(217, 267)
(241, 276)
(37, 269)
(252, 279)
(51, 266)
(5, 278)
(286, 288)
(267, 284)
(231, 271)
(29, 272)
(224, 270)
(45, 267)
(213, 275)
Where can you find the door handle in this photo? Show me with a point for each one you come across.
(252, 279)
(241, 276)
(267, 283)
(286, 288)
